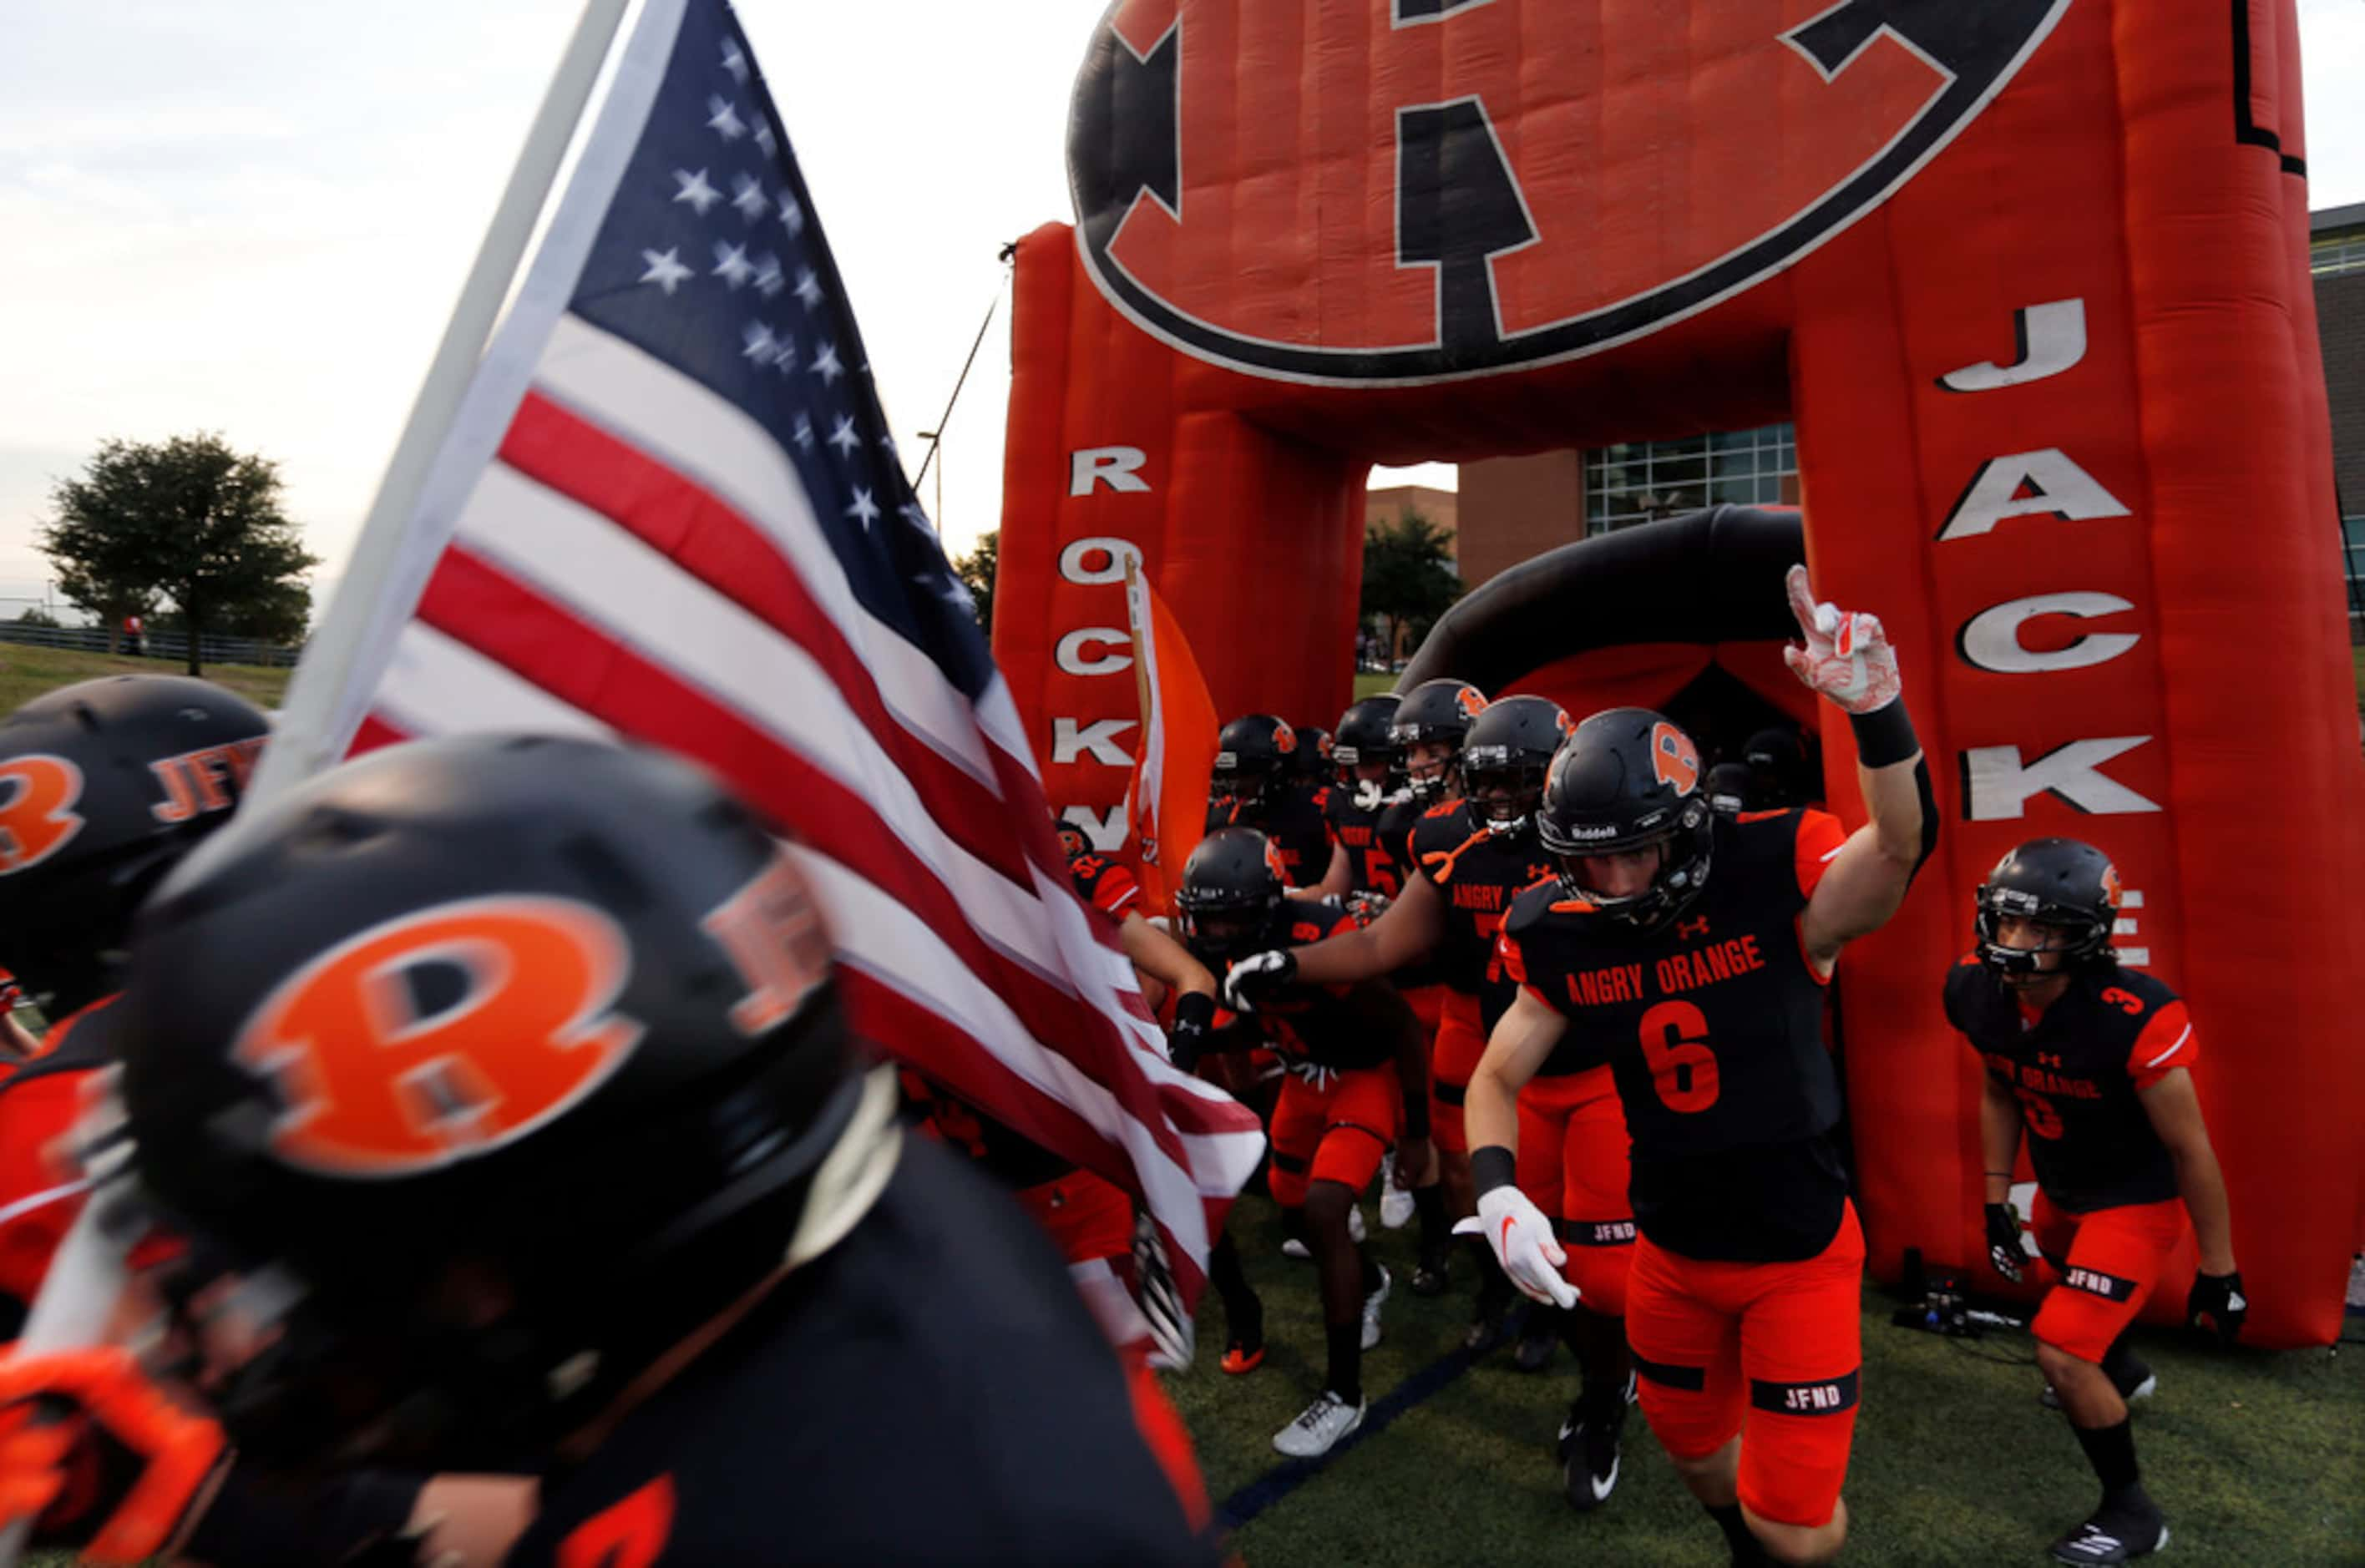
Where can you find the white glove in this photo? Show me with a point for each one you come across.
(1847, 657)
(1267, 972)
(1523, 1243)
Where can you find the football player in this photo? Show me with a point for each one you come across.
(1368, 779)
(1467, 857)
(1258, 782)
(2094, 1060)
(1692, 950)
(506, 1091)
(1354, 1088)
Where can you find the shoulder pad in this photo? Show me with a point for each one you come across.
(2130, 993)
(1443, 809)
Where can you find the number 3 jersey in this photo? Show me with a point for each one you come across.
(2076, 1069)
(1712, 1025)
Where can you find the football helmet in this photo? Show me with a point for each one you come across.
(1314, 755)
(1232, 890)
(506, 1062)
(1505, 757)
(104, 786)
(1436, 713)
(1732, 788)
(2053, 881)
(1624, 780)
(1254, 753)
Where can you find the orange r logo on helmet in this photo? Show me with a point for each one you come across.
(2111, 885)
(1284, 739)
(37, 817)
(1673, 758)
(1274, 862)
(380, 1082)
(1469, 700)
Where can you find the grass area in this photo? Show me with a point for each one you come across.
(26, 672)
(2254, 1455)
(1379, 683)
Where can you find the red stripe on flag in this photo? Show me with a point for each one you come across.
(374, 732)
(885, 1016)
(707, 538)
(478, 605)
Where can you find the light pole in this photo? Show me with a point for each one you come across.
(936, 450)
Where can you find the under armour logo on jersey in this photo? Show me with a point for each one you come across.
(442, 1035)
(1689, 929)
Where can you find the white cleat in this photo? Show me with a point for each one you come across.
(1372, 1305)
(1396, 1203)
(1326, 1423)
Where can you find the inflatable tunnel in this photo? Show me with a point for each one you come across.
(2030, 277)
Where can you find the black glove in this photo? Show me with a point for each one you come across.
(1260, 974)
(1194, 1014)
(2005, 1254)
(2218, 1300)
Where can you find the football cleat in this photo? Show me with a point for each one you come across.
(1489, 1326)
(1372, 1305)
(1538, 1338)
(2118, 1533)
(1396, 1203)
(1589, 1453)
(1430, 1277)
(1325, 1423)
(2135, 1380)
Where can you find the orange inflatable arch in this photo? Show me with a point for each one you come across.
(2029, 275)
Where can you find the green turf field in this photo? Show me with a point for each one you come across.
(1374, 684)
(26, 672)
(2257, 1458)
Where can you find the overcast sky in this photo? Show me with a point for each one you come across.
(253, 215)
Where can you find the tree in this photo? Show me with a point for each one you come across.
(1408, 576)
(976, 572)
(35, 615)
(187, 520)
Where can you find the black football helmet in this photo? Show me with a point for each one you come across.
(1366, 734)
(1436, 713)
(550, 1015)
(1073, 841)
(1233, 889)
(104, 786)
(1505, 757)
(1732, 788)
(1624, 780)
(1778, 754)
(1254, 753)
(1313, 753)
(2053, 881)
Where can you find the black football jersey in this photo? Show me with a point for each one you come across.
(930, 1391)
(1356, 830)
(2076, 1069)
(1393, 832)
(1478, 874)
(1712, 1025)
(1290, 815)
(1104, 884)
(1317, 1026)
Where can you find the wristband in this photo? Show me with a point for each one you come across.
(1195, 1009)
(1884, 737)
(1492, 1167)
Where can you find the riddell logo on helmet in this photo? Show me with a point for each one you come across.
(378, 1084)
(37, 817)
(1608, 831)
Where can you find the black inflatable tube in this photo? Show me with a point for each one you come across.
(1705, 577)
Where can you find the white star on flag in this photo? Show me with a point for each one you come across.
(864, 510)
(809, 288)
(748, 197)
(765, 140)
(913, 513)
(768, 274)
(842, 437)
(735, 60)
(731, 266)
(761, 344)
(792, 214)
(664, 269)
(726, 121)
(696, 191)
(827, 367)
(786, 356)
(804, 436)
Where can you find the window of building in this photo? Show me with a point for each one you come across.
(2338, 253)
(1643, 481)
(2352, 532)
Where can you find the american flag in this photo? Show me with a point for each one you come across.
(669, 511)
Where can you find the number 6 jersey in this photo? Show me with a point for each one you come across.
(1712, 1024)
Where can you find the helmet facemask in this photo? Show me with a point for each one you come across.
(1684, 836)
(1503, 788)
(2089, 941)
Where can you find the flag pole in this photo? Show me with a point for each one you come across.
(302, 743)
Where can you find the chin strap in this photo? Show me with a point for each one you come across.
(855, 1172)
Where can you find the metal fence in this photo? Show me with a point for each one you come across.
(172, 646)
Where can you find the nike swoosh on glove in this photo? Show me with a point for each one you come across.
(1522, 1239)
(1847, 657)
(1259, 972)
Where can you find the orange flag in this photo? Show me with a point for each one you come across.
(1166, 806)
